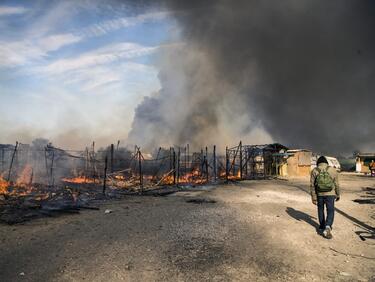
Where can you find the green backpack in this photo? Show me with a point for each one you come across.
(324, 181)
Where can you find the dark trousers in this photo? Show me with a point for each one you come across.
(329, 203)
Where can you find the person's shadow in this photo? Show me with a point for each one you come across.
(298, 215)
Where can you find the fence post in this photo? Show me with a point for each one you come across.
(105, 174)
(174, 167)
(11, 162)
(188, 160)
(214, 164)
(52, 178)
(226, 163)
(178, 164)
(241, 163)
(112, 155)
(140, 169)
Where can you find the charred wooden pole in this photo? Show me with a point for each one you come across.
(206, 164)
(45, 159)
(188, 157)
(178, 164)
(202, 164)
(174, 167)
(86, 163)
(185, 167)
(93, 160)
(226, 164)
(112, 155)
(214, 164)
(11, 162)
(105, 174)
(241, 161)
(170, 159)
(51, 170)
(246, 161)
(140, 169)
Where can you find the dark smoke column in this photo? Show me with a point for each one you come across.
(303, 71)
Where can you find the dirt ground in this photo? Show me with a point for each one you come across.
(249, 231)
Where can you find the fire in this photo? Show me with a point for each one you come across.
(26, 175)
(17, 190)
(119, 177)
(231, 176)
(3, 186)
(193, 177)
(79, 180)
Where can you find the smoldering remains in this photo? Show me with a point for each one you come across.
(299, 72)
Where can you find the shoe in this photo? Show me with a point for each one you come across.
(327, 233)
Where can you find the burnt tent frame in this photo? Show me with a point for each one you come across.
(253, 161)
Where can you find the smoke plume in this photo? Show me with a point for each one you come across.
(297, 72)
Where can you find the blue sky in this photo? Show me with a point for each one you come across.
(74, 71)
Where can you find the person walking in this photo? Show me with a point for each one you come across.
(325, 190)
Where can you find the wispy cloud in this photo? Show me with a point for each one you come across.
(16, 53)
(12, 10)
(22, 52)
(115, 24)
(55, 42)
(91, 70)
(97, 57)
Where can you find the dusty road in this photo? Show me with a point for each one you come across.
(250, 231)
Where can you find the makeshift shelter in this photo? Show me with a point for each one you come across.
(363, 161)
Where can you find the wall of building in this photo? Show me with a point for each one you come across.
(299, 164)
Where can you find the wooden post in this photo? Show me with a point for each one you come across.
(185, 167)
(118, 145)
(206, 164)
(214, 164)
(188, 157)
(112, 155)
(226, 163)
(202, 163)
(45, 159)
(140, 170)
(246, 161)
(105, 174)
(93, 161)
(241, 163)
(11, 162)
(86, 163)
(174, 167)
(53, 158)
(170, 159)
(178, 164)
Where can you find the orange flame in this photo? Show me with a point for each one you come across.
(78, 180)
(25, 176)
(3, 186)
